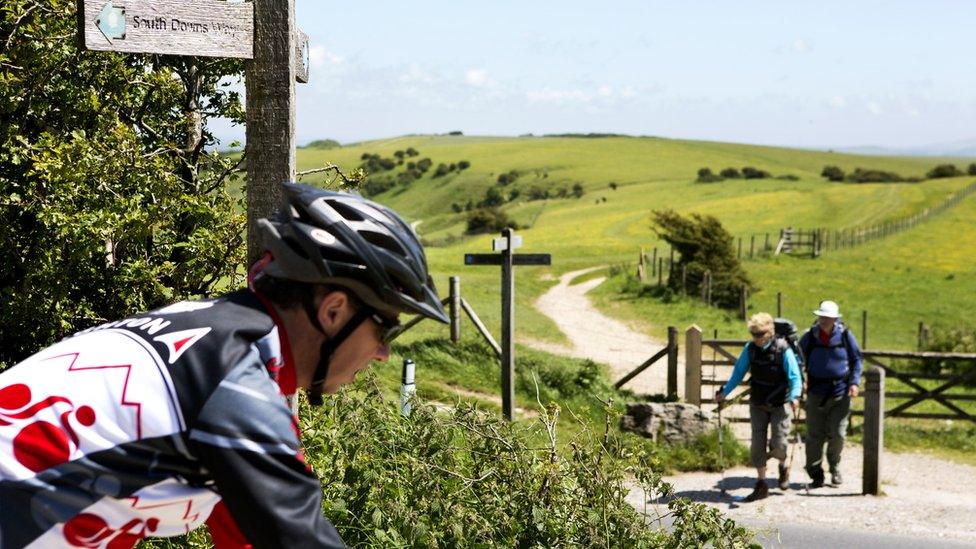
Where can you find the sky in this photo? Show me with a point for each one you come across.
(804, 74)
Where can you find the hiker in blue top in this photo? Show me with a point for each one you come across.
(774, 386)
(833, 362)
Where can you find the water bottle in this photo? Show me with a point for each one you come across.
(407, 386)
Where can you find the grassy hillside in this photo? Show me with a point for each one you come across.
(922, 274)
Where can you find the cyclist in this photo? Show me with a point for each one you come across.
(149, 425)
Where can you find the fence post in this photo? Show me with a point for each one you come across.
(864, 329)
(455, 309)
(873, 430)
(641, 269)
(693, 348)
(740, 248)
(654, 263)
(672, 363)
(766, 246)
(779, 304)
(743, 294)
(660, 270)
(684, 279)
(752, 246)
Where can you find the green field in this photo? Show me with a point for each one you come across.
(924, 274)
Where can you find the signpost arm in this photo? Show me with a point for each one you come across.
(270, 86)
(508, 328)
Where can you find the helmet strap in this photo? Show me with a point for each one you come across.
(329, 347)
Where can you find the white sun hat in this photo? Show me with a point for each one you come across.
(828, 309)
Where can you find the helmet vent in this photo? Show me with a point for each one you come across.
(346, 211)
(383, 241)
(293, 245)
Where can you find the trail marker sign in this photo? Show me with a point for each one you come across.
(507, 245)
(211, 28)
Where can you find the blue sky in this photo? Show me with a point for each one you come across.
(811, 74)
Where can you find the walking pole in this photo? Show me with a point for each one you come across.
(721, 452)
(796, 441)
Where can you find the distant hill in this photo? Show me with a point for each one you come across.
(957, 149)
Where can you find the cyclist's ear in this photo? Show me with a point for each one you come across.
(334, 309)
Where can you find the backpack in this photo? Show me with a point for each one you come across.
(845, 340)
(786, 329)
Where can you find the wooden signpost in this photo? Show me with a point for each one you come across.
(507, 259)
(211, 28)
(262, 31)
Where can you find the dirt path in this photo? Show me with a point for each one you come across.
(925, 497)
(598, 337)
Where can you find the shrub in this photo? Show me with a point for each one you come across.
(833, 173)
(944, 170)
(513, 194)
(463, 165)
(323, 144)
(705, 175)
(538, 193)
(441, 170)
(972, 169)
(493, 197)
(703, 245)
(730, 173)
(860, 175)
(377, 185)
(424, 164)
(455, 132)
(577, 190)
(412, 151)
(488, 220)
(456, 208)
(508, 178)
(788, 177)
(953, 340)
(748, 172)
(612, 185)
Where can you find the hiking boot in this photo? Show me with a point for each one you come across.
(761, 491)
(784, 477)
(835, 478)
(816, 480)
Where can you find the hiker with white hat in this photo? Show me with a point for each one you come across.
(833, 363)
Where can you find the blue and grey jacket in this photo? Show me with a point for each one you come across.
(827, 366)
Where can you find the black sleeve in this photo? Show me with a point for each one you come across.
(246, 437)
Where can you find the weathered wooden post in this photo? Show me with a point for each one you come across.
(654, 262)
(693, 348)
(684, 279)
(752, 246)
(766, 247)
(743, 296)
(270, 134)
(508, 326)
(779, 304)
(641, 269)
(864, 329)
(507, 259)
(660, 270)
(873, 430)
(455, 297)
(740, 249)
(672, 363)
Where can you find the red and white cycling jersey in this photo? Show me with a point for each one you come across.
(140, 427)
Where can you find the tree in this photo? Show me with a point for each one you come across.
(944, 170)
(705, 175)
(703, 245)
(488, 220)
(493, 197)
(730, 173)
(749, 172)
(972, 169)
(577, 190)
(112, 195)
(832, 173)
(612, 185)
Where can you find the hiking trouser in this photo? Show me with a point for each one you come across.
(761, 418)
(826, 423)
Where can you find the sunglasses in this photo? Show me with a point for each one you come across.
(390, 328)
(758, 334)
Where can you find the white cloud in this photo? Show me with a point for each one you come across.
(605, 91)
(416, 75)
(801, 45)
(558, 97)
(319, 57)
(477, 77)
(628, 92)
(837, 102)
(875, 108)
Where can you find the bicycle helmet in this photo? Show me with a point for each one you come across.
(329, 237)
